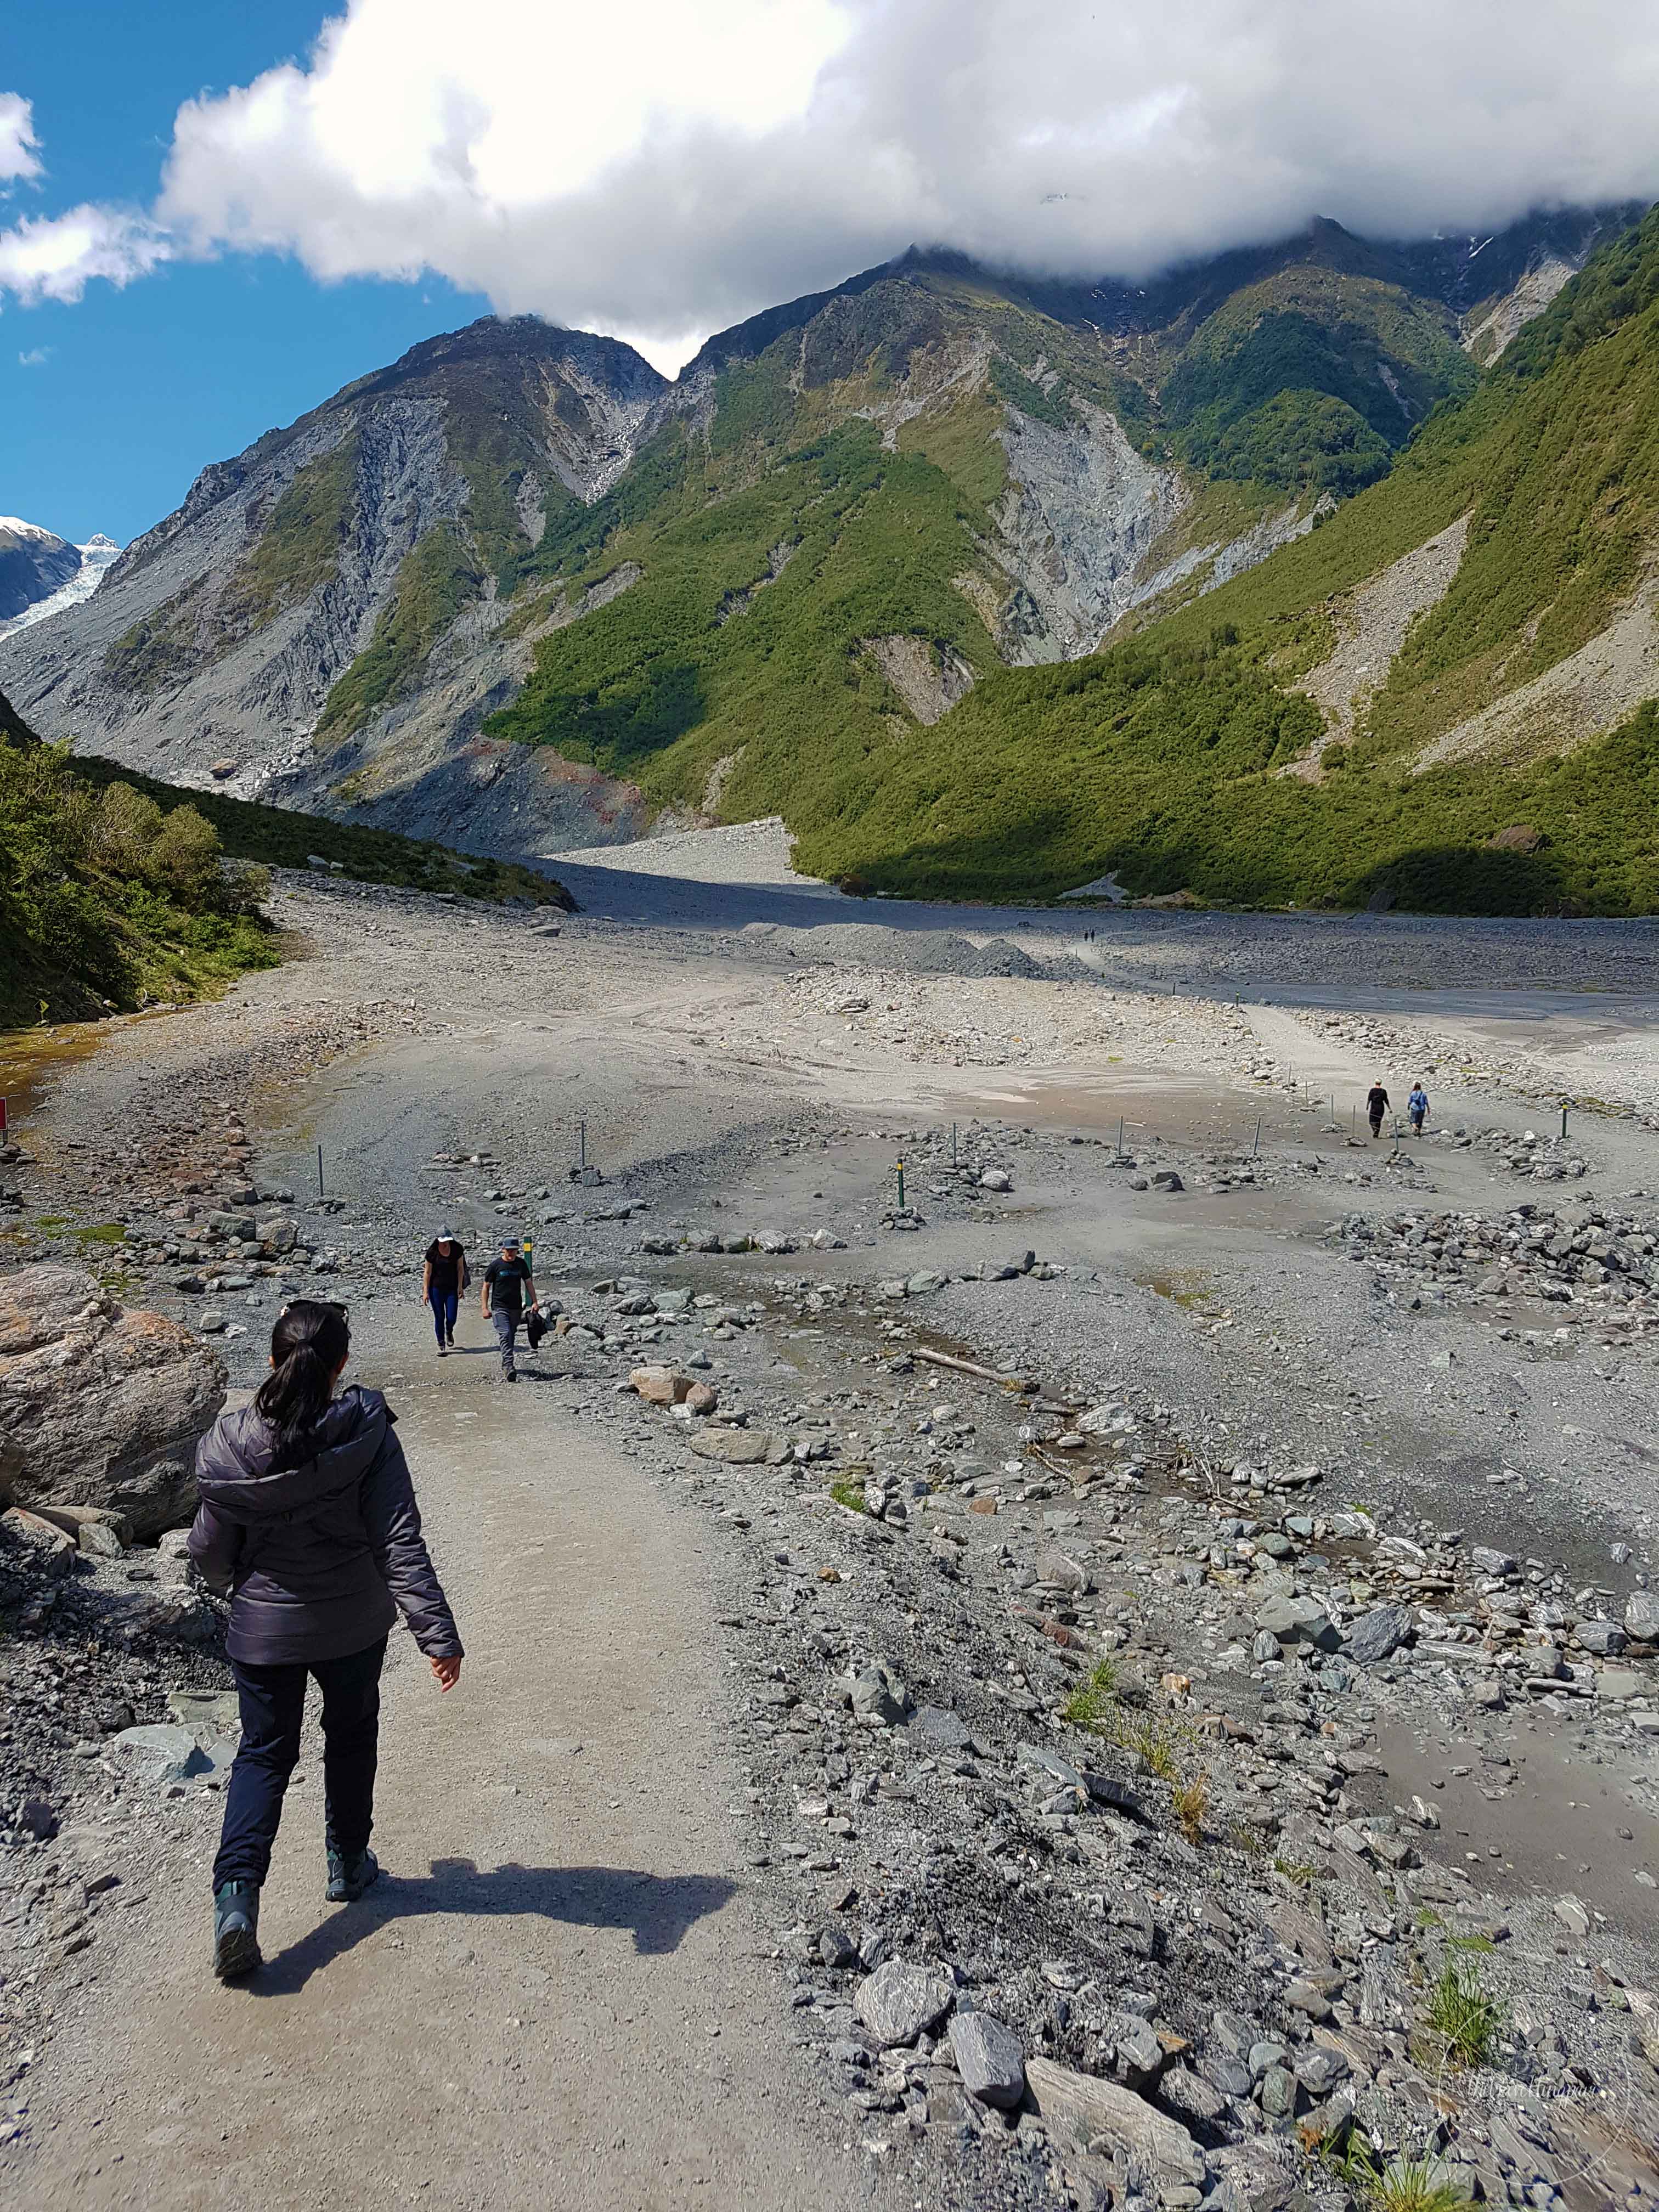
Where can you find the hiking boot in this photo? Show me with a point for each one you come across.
(235, 1929)
(442, 1349)
(512, 1375)
(350, 1874)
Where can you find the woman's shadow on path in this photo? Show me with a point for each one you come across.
(660, 1909)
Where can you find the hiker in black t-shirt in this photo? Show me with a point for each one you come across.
(444, 1276)
(507, 1289)
(1376, 1105)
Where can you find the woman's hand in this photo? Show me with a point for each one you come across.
(447, 1671)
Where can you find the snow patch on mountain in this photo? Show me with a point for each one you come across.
(97, 555)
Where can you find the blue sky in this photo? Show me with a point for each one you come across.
(213, 215)
(142, 387)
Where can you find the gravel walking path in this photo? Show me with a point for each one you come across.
(552, 1996)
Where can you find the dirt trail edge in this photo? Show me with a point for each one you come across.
(551, 1997)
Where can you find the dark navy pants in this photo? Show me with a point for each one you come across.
(273, 1702)
(445, 1305)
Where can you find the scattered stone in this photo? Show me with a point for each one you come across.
(1379, 1634)
(1086, 2107)
(989, 2057)
(737, 1447)
(898, 2002)
(1573, 1915)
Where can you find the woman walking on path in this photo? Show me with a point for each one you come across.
(444, 1276)
(308, 1521)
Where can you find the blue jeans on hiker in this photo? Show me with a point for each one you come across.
(445, 1305)
(273, 1704)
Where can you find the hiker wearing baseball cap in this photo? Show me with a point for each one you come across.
(507, 1289)
(443, 1278)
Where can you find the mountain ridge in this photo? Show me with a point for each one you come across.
(518, 591)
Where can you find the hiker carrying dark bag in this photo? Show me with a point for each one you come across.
(308, 1522)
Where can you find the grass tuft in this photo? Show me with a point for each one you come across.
(1093, 1701)
(1191, 1800)
(1400, 2185)
(1461, 2021)
(849, 1494)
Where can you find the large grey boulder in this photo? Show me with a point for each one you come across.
(898, 2002)
(1086, 2107)
(1299, 1620)
(989, 2057)
(1642, 1615)
(1379, 1634)
(99, 1406)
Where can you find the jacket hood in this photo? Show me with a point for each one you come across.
(234, 1461)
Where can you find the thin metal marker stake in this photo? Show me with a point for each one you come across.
(320, 1171)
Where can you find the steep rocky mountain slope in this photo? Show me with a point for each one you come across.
(518, 590)
(337, 592)
(1447, 695)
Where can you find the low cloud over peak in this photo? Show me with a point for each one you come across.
(660, 169)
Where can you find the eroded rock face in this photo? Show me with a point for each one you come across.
(99, 1406)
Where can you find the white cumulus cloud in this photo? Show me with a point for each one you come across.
(56, 257)
(663, 166)
(659, 168)
(19, 149)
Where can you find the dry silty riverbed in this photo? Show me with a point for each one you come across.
(1126, 1674)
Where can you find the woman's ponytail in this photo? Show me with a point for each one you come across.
(309, 1348)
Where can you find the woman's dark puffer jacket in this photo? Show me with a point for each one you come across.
(315, 1556)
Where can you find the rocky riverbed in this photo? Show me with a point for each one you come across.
(1195, 1699)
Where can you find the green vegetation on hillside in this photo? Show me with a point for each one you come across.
(435, 580)
(1559, 476)
(299, 547)
(1160, 760)
(104, 898)
(280, 837)
(1300, 386)
(1308, 379)
(160, 649)
(1296, 441)
(665, 680)
(1157, 762)
(1621, 280)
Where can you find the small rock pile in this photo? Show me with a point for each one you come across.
(1542, 1159)
(1592, 1261)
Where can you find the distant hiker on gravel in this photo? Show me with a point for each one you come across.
(1417, 1108)
(308, 1522)
(507, 1289)
(1376, 1105)
(443, 1278)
